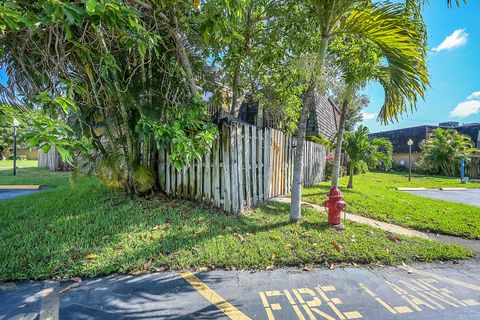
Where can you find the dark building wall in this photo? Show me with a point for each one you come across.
(472, 130)
(400, 137)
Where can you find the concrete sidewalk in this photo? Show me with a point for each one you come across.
(473, 245)
(470, 197)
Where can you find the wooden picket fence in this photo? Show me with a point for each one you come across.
(245, 167)
(50, 160)
(473, 171)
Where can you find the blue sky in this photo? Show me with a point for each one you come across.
(454, 66)
(3, 77)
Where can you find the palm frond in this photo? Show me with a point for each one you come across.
(400, 36)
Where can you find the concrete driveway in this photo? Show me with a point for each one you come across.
(469, 196)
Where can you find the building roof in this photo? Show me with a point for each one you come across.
(399, 137)
(324, 119)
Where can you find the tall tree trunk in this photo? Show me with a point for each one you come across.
(349, 92)
(132, 156)
(296, 199)
(297, 182)
(338, 147)
(237, 94)
(182, 54)
(351, 172)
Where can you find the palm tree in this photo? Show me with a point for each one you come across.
(457, 2)
(443, 151)
(396, 31)
(371, 151)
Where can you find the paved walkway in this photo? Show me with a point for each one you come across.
(422, 291)
(473, 245)
(469, 196)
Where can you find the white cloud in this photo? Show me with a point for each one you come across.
(466, 108)
(368, 116)
(474, 96)
(457, 39)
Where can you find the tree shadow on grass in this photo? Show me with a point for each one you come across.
(87, 230)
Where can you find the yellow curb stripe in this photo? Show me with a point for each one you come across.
(215, 299)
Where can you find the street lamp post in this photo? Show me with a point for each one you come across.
(15, 127)
(410, 143)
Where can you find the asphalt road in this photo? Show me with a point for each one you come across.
(424, 291)
(469, 196)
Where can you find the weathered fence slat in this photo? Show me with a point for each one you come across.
(266, 164)
(254, 166)
(240, 186)
(227, 199)
(260, 166)
(207, 178)
(245, 167)
(246, 149)
(216, 174)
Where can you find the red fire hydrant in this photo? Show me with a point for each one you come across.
(334, 206)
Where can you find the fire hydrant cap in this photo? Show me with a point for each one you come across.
(335, 192)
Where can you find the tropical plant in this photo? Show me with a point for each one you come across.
(443, 151)
(457, 2)
(362, 149)
(397, 30)
(233, 32)
(100, 71)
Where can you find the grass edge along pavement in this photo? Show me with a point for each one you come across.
(88, 230)
(374, 196)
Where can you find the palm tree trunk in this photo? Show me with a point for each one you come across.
(297, 182)
(309, 99)
(338, 147)
(132, 154)
(351, 172)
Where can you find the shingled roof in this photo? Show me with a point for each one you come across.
(324, 119)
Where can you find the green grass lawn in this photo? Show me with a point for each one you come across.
(5, 164)
(374, 196)
(87, 230)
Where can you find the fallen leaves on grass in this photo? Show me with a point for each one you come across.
(239, 236)
(337, 246)
(392, 237)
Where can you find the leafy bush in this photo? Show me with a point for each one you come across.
(443, 151)
(329, 169)
(21, 157)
